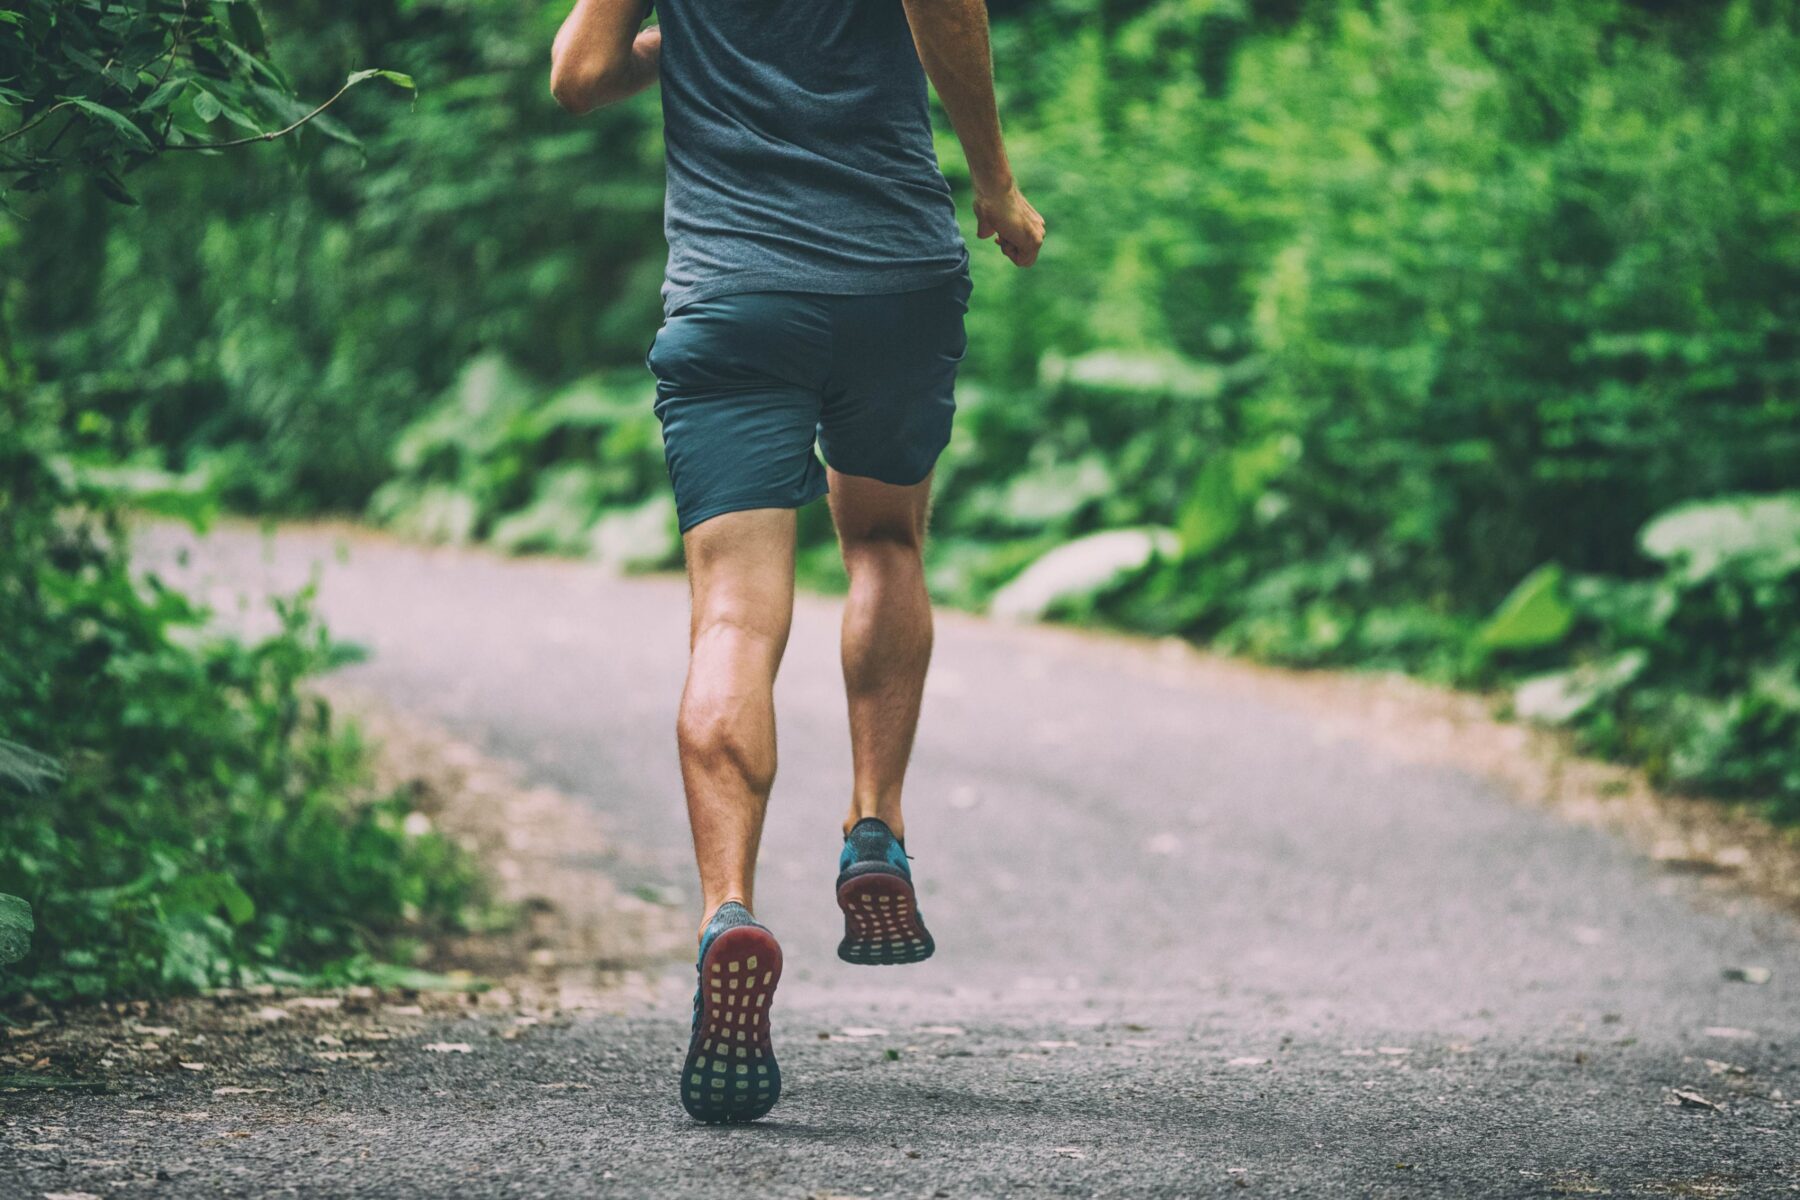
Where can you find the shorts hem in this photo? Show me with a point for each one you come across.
(890, 481)
(747, 503)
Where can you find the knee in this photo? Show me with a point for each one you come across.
(885, 549)
(719, 739)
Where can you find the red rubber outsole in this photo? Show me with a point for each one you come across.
(881, 921)
(730, 1073)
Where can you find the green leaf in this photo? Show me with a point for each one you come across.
(1041, 496)
(247, 27)
(24, 771)
(117, 120)
(1228, 486)
(206, 105)
(285, 110)
(15, 929)
(1150, 373)
(393, 77)
(1535, 614)
(258, 67)
(334, 129)
(199, 895)
(114, 189)
(163, 95)
(240, 909)
(1213, 511)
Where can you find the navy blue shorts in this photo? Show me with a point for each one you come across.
(746, 383)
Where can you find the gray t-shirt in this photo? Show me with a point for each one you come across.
(799, 151)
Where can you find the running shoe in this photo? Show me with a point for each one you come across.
(730, 1074)
(882, 924)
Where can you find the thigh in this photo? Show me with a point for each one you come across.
(866, 510)
(891, 395)
(738, 384)
(741, 575)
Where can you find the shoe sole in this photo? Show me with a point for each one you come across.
(881, 921)
(730, 1074)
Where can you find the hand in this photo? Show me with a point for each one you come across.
(1009, 217)
(648, 45)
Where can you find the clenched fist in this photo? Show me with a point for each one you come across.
(1009, 217)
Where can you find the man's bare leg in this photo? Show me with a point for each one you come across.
(886, 636)
(741, 578)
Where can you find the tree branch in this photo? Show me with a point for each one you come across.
(270, 136)
(42, 117)
(263, 137)
(175, 46)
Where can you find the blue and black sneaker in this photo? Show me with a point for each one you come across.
(730, 1072)
(874, 888)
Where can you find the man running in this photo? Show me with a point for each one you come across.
(815, 291)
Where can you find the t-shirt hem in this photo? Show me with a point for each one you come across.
(860, 283)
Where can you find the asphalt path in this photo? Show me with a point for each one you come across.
(1189, 944)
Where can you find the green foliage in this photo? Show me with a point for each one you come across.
(502, 460)
(96, 88)
(1696, 672)
(1405, 316)
(1516, 281)
(15, 929)
(1534, 614)
(1755, 538)
(188, 816)
(1073, 577)
(282, 329)
(1228, 487)
(25, 771)
(1561, 696)
(185, 814)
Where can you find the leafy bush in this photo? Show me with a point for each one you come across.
(1695, 673)
(501, 460)
(1513, 277)
(173, 807)
(15, 929)
(96, 89)
(188, 815)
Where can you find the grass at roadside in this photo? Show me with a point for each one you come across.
(579, 944)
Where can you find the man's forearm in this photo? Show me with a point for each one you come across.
(600, 56)
(952, 39)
